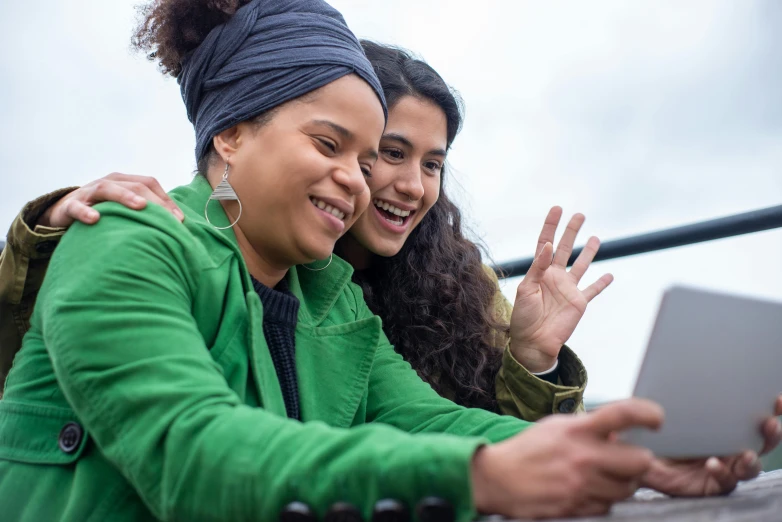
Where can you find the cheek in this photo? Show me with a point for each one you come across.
(431, 191)
(361, 206)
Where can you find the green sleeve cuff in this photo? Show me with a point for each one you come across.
(523, 395)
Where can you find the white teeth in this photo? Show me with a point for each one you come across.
(328, 208)
(391, 208)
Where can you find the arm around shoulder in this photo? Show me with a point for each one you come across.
(23, 264)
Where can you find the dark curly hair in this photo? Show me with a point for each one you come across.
(169, 30)
(435, 297)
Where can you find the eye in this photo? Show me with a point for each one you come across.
(366, 171)
(394, 154)
(433, 166)
(328, 144)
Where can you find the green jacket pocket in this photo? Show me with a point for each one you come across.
(39, 434)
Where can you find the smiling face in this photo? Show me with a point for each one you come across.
(301, 176)
(405, 181)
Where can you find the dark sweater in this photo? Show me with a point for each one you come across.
(280, 313)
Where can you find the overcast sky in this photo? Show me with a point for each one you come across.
(642, 115)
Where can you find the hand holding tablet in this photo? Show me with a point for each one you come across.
(714, 363)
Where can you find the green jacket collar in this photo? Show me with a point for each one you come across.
(317, 291)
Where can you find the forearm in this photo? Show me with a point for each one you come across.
(23, 265)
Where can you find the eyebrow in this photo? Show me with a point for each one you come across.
(339, 129)
(407, 143)
(345, 134)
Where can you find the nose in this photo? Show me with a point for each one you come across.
(351, 179)
(410, 183)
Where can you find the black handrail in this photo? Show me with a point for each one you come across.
(738, 224)
(735, 225)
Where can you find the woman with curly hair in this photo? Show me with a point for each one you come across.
(441, 306)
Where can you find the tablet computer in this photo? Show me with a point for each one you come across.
(714, 363)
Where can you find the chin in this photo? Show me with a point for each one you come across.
(386, 250)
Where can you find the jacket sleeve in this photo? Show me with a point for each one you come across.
(526, 396)
(127, 353)
(22, 267)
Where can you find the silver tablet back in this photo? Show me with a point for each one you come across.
(714, 363)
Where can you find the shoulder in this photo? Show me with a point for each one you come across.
(149, 233)
(503, 308)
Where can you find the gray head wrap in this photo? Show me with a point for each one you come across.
(269, 52)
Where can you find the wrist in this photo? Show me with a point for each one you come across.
(478, 478)
(535, 360)
(44, 219)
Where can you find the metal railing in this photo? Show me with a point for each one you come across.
(735, 225)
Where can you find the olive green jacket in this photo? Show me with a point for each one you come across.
(26, 257)
(145, 390)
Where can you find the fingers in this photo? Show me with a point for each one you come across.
(778, 407)
(597, 287)
(539, 266)
(75, 210)
(162, 198)
(622, 415)
(549, 228)
(565, 246)
(133, 191)
(585, 258)
(610, 488)
(772, 434)
(746, 466)
(722, 476)
(624, 462)
(117, 191)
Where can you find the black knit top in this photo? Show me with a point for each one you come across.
(280, 313)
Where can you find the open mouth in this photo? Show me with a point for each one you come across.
(395, 216)
(325, 207)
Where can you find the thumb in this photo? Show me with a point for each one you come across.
(540, 264)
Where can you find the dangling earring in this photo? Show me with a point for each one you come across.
(223, 192)
(319, 269)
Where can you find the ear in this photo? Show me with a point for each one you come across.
(228, 142)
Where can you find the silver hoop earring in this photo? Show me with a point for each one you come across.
(319, 269)
(223, 192)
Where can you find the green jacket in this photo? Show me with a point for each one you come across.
(147, 338)
(26, 257)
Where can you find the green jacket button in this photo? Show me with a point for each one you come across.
(390, 510)
(567, 406)
(70, 437)
(297, 512)
(435, 509)
(343, 512)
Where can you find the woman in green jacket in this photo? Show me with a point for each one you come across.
(156, 379)
(442, 308)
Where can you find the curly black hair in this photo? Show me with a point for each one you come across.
(435, 297)
(168, 30)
